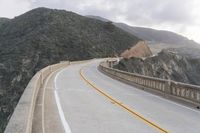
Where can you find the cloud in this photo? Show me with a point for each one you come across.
(138, 12)
(11, 8)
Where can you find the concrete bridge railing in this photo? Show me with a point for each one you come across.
(21, 119)
(186, 93)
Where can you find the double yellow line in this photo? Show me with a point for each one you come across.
(128, 109)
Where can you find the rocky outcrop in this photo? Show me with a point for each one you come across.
(141, 49)
(170, 64)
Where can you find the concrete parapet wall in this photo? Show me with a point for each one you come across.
(79, 62)
(183, 92)
(21, 119)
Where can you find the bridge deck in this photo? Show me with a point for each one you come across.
(71, 104)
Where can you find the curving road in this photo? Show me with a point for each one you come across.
(80, 99)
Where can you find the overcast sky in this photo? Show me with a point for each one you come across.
(181, 16)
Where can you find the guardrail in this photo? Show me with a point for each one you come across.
(21, 119)
(186, 93)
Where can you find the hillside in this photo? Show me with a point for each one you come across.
(44, 36)
(157, 39)
(171, 64)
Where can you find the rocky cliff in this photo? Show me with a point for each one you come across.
(44, 36)
(171, 64)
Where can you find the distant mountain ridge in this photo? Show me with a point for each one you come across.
(153, 35)
(157, 39)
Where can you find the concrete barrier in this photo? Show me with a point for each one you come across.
(79, 62)
(185, 93)
(21, 119)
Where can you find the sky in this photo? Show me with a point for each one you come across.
(180, 16)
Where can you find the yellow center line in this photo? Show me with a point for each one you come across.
(134, 113)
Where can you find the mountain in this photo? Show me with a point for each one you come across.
(157, 39)
(44, 36)
(153, 35)
(170, 63)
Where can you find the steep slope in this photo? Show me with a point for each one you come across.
(171, 64)
(42, 37)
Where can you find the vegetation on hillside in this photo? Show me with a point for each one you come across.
(44, 36)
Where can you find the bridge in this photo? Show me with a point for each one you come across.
(91, 97)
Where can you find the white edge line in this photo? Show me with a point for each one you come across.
(60, 110)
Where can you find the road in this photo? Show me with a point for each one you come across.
(80, 99)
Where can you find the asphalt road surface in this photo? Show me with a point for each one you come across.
(80, 99)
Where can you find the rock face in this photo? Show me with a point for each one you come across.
(42, 37)
(168, 64)
(141, 49)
